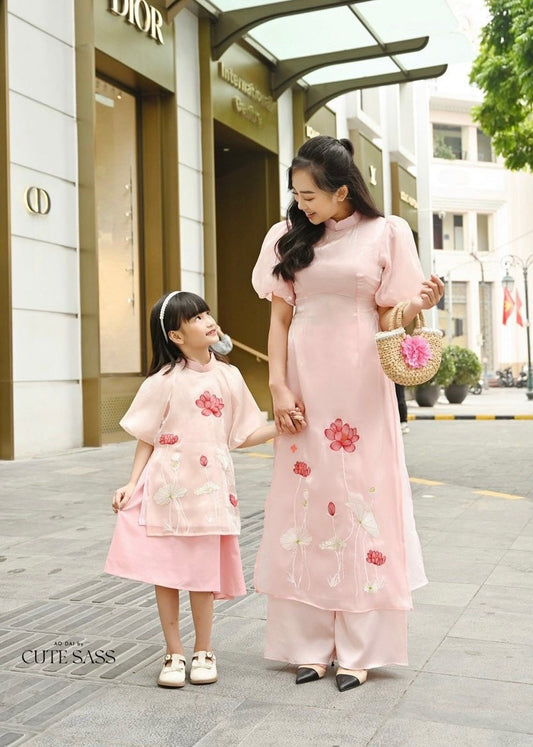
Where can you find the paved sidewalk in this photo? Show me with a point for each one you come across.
(470, 677)
(492, 403)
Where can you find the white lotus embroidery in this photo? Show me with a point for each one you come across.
(168, 492)
(364, 516)
(373, 586)
(333, 543)
(295, 537)
(207, 488)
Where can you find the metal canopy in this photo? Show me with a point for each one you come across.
(317, 96)
(332, 47)
(288, 72)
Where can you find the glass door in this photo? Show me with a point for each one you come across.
(117, 229)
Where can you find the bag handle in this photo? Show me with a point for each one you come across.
(397, 321)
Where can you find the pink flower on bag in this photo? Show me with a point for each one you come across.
(375, 557)
(342, 436)
(210, 404)
(203, 461)
(168, 439)
(233, 500)
(416, 351)
(301, 468)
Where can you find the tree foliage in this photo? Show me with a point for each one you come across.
(503, 70)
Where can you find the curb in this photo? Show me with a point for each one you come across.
(412, 416)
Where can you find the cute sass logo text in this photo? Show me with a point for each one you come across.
(141, 15)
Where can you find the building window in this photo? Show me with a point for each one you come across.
(437, 231)
(483, 239)
(448, 142)
(458, 235)
(484, 147)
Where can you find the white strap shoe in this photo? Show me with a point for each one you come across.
(173, 673)
(203, 668)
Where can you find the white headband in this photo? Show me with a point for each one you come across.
(163, 309)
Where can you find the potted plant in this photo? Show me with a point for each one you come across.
(467, 373)
(427, 394)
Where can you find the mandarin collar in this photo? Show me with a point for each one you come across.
(202, 367)
(340, 225)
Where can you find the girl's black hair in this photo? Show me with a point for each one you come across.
(330, 163)
(180, 308)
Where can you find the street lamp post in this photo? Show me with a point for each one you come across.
(512, 260)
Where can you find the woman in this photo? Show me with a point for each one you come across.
(340, 554)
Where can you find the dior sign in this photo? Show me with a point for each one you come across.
(37, 200)
(140, 14)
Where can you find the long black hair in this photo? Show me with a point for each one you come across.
(180, 308)
(330, 163)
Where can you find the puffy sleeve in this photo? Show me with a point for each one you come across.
(149, 408)
(402, 272)
(263, 281)
(246, 417)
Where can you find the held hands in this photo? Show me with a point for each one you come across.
(289, 413)
(122, 496)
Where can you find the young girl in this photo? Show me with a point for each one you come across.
(178, 517)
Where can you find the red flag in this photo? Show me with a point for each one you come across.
(519, 319)
(508, 305)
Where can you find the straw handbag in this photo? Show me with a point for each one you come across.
(409, 359)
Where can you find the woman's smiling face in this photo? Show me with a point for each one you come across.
(318, 205)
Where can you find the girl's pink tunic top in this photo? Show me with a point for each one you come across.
(180, 527)
(339, 527)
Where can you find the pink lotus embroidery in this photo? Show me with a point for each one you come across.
(210, 404)
(233, 500)
(203, 461)
(167, 439)
(416, 351)
(302, 469)
(375, 557)
(331, 508)
(342, 436)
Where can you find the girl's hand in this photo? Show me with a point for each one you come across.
(430, 294)
(122, 496)
(284, 402)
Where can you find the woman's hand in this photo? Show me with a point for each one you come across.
(122, 496)
(285, 403)
(429, 295)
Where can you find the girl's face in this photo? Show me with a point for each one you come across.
(318, 205)
(195, 336)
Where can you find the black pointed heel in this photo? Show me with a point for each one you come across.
(307, 674)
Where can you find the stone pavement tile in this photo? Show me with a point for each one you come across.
(138, 717)
(399, 732)
(428, 626)
(505, 539)
(300, 727)
(253, 605)
(524, 542)
(440, 505)
(516, 566)
(445, 593)
(490, 516)
(470, 702)
(498, 613)
(464, 564)
(239, 727)
(493, 660)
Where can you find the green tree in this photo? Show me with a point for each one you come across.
(503, 70)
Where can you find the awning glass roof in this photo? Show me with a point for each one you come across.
(343, 30)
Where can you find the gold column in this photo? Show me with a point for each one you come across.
(90, 334)
(208, 173)
(7, 435)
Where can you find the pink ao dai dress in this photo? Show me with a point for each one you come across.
(180, 528)
(339, 535)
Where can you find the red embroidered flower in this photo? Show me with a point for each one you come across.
(342, 436)
(233, 500)
(210, 404)
(168, 439)
(294, 448)
(331, 508)
(203, 461)
(301, 468)
(375, 557)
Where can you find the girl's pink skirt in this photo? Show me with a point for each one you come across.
(204, 563)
